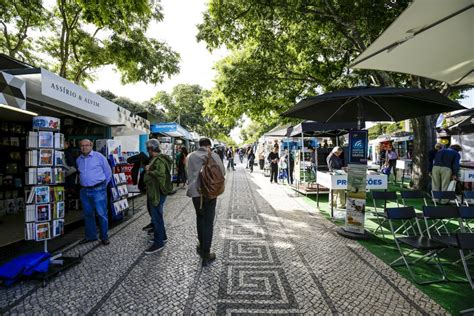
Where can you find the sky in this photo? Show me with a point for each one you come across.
(178, 30)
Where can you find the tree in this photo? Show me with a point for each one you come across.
(17, 19)
(253, 131)
(84, 35)
(285, 50)
(184, 105)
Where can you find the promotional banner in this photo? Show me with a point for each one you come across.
(356, 181)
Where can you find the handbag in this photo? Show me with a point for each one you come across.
(451, 186)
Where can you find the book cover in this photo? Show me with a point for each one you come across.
(123, 178)
(43, 212)
(46, 157)
(46, 139)
(58, 227)
(59, 210)
(58, 158)
(42, 194)
(116, 178)
(42, 231)
(115, 194)
(44, 176)
(59, 176)
(58, 194)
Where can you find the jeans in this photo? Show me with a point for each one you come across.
(205, 222)
(158, 222)
(230, 164)
(95, 199)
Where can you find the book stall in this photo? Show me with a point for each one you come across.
(41, 159)
(172, 137)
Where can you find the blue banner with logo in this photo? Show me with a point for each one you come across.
(358, 147)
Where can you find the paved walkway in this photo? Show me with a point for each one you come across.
(275, 256)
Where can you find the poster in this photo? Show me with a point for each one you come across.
(356, 182)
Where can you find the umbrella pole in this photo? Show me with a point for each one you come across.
(360, 114)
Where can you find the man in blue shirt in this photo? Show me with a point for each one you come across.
(94, 175)
(445, 167)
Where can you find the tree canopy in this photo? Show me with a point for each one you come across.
(282, 51)
(81, 36)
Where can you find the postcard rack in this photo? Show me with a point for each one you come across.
(45, 176)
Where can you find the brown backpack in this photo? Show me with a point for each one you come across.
(212, 178)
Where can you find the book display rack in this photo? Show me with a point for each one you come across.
(44, 179)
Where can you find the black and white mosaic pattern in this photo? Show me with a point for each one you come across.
(275, 255)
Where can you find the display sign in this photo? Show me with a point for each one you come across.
(171, 129)
(356, 198)
(404, 164)
(374, 181)
(466, 175)
(46, 122)
(358, 147)
(60, 89)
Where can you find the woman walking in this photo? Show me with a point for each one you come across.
(251, 158)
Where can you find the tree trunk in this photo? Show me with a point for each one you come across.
(424, 135)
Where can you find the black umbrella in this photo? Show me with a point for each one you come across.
(372, 104)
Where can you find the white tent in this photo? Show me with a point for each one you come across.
(431, 38)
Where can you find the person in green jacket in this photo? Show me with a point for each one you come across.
(158, 185)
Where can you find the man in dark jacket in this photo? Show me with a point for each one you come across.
(273, 159)
(445, 167)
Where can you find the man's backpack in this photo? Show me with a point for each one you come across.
(212, 178)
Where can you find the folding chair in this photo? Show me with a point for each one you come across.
(468, 198)
(430, 247)
(381, 217)
(466, 214)
(414, 195)
(437, 214)
(444, 195)
(466, 243)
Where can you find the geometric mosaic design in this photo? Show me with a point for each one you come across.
(12, 91)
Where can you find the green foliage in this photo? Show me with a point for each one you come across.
(17, 19)
(253, 131)
(126, 103)
(80, 36)
(377, 130)
(185, 105)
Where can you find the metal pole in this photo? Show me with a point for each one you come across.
(304, 161)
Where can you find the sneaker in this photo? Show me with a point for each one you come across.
(147, 227)
(152, 239)
(105, 242)
(208, 258)
(153, 249)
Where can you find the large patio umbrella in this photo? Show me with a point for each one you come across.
(363, 104)
(432, 39)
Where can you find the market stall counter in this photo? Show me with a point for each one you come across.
(338, 181)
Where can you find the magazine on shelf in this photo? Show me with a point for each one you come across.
(15, 141)
(32, 141)
(59, 209)
(44, 176)
(29, 231)
(123, 178)
(10, 206)
(42, 231)
(115, 194)
(116, 178)
(58, 227)
(58, 140)
(46, 157)
(59, 175)
(32, 158)
(122, 190)
(45, 139)
(58, 158)
(57, 194)
(30, 213)
(42, 194)
(43, 212)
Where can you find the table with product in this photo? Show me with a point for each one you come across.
(338, 181)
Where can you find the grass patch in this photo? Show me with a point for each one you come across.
(454, 297)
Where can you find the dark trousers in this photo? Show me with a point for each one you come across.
(393, 165)
(181, 177)
(251, 165)
(292, 168)
(205, 222)
(261, 163)
(273, 172)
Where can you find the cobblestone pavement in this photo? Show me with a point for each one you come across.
(276, 255)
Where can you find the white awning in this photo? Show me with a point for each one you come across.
(431, 38)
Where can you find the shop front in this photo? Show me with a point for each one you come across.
(34, 92)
